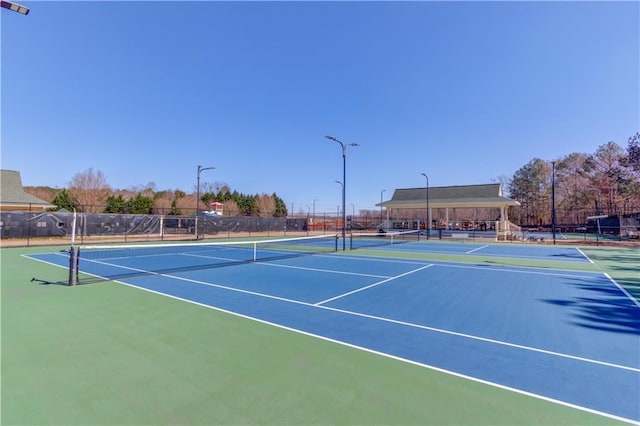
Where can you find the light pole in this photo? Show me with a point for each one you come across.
(344, 184)
(200, 169)
(553, 200)
(15, 7)
(344, 217)
(428, 224)
(353, 214)
(313, 218)
(381, 224)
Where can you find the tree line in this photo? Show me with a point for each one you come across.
(606, 182)
(89, 192)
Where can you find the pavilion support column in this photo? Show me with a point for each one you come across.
(446, 218)
(504, 226)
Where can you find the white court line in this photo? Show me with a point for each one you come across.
(60, 253)
(394, 357)
(431, 367)
(536, 271)
(476, 249)
(454, 264)
(202, 256)
(377, 318)
(633, 299)
(372, 285)
(320, 306)
(432, 250)
(328, 271)
(276, 265)
(499, 268)
(582, 253)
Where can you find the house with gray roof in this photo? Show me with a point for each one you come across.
(14, 198)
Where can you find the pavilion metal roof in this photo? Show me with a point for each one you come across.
(462, 196)
(12, 194)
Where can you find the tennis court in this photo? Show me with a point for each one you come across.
(472, 248)
(567, 336)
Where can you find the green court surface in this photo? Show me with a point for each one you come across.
(108, 354)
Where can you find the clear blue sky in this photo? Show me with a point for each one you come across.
(464, 91)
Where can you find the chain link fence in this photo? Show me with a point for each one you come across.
(125, 227)
(20, 225)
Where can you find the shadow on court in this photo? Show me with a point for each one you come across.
(623, 268)
(46, 282)
(608, 310)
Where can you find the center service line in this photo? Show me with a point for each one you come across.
(358, 314)
(372, 285)
(476, 249)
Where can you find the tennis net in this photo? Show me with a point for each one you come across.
(120, 261)
(361, 240)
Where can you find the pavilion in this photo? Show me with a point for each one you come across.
(454, 197)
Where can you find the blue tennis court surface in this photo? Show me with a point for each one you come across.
(533, 252)
(566, 336)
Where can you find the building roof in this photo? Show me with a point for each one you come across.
(12, 194)
(470, 196)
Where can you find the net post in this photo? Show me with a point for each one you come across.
(77, 270)
(72, 262)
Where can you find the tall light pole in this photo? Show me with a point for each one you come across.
(353, 213)
(344, 216)
(15, 7)
(344, 184)
(553, 200)
(381, 192)
(313, 218)
(428, 224)
(200, 169)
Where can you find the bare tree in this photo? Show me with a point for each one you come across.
(90, 190)
(609, 171)
(214, 188)
(166, 202)
(187, 204)
(575, 192)
(266, 205)
(147, 190)
(42, 192)
(230, 208)
(633, 150)
(162, 204)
